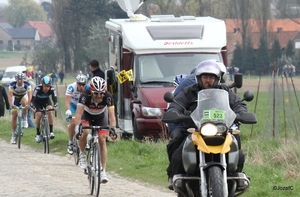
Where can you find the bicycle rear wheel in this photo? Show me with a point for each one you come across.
(76, 150)
(96, 168)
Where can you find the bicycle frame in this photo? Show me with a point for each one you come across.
(44, 127)
(94, 159)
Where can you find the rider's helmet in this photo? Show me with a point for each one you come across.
(210, 67)
(20, 76)
(81, 78)
(178, 79)
(46, 80)
(98, 84)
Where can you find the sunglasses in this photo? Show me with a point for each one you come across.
(46, 86)
(81, 84)
(98, 93)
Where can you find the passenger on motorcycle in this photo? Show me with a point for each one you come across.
(72, 96)
(19, 93)
(94, 107)
(208, 74)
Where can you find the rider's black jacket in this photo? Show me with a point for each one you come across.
(188, 99)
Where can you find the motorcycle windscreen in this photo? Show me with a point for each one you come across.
(213, 106)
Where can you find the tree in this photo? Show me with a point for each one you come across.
(46, 57)
(18, 12)
(237, 59)
(276, 51)
(289, 50)
(248, 57)
(262, 57)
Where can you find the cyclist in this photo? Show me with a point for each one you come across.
(72, 95)
(19, 93)
(40, 99)
(94, 107)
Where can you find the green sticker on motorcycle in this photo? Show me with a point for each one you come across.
(214, 115)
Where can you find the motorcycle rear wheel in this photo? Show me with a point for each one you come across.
(215, 182)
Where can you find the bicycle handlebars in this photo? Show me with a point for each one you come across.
(111, 129)
(43, 110)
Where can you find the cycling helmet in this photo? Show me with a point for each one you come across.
(46, 80)
(81, 78)
(209, 67)
(20, 76)
(178, 79)
(98, 84)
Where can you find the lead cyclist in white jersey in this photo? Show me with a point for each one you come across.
(72, 95)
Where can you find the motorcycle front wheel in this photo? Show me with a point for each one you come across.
(215, 182)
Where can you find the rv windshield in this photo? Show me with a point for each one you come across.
(164, 67)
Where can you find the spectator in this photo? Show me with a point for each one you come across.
(3, 99)
(29, 114)
(94, 66)
(61, 76)
(54, 77)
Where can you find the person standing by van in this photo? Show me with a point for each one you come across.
(95, 69)
(3, 99)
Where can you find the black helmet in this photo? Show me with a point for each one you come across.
(46, 80)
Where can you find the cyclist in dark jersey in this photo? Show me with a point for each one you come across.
(94, 107)
(41, 99)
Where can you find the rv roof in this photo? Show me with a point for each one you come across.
(198, 34)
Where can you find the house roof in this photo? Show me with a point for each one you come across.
(22, 33)
(5, 26)
(272, 25)
(43, 28)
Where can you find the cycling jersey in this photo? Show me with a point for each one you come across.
(86, 99)
(40, 98)
(74, 93)
(19, 91)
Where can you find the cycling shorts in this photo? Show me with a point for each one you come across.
(96, 120)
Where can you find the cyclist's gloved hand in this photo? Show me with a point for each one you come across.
(68, 115)
(113, 133)
(56, 105)
(78, 131)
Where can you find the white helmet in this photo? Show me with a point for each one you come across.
(213, 67)
(98, 84)
(81, 78)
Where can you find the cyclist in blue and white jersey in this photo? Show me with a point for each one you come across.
(41, 99)
(72, 96)
(19, 93)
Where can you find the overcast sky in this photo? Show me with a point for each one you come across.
(6, 1)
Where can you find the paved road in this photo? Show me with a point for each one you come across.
(29, 173)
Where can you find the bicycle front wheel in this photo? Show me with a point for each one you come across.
(76, 150)
(19, 132)
(96, 168)
(46, 137)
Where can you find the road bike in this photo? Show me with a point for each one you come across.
(94, 157)
(19, 130)
(44, 127)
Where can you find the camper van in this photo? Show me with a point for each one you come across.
(9, 74)
(153, 51)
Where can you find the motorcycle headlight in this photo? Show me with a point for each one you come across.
(149, 111)
(209, 130)
(212, 129)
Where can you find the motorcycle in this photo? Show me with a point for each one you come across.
(211, 152)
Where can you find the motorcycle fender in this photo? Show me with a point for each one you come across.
(221, 149)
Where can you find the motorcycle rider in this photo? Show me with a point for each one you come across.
(208, 74)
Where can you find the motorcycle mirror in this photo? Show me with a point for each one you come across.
(248, 96)
(238, 80)
(168, 97)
